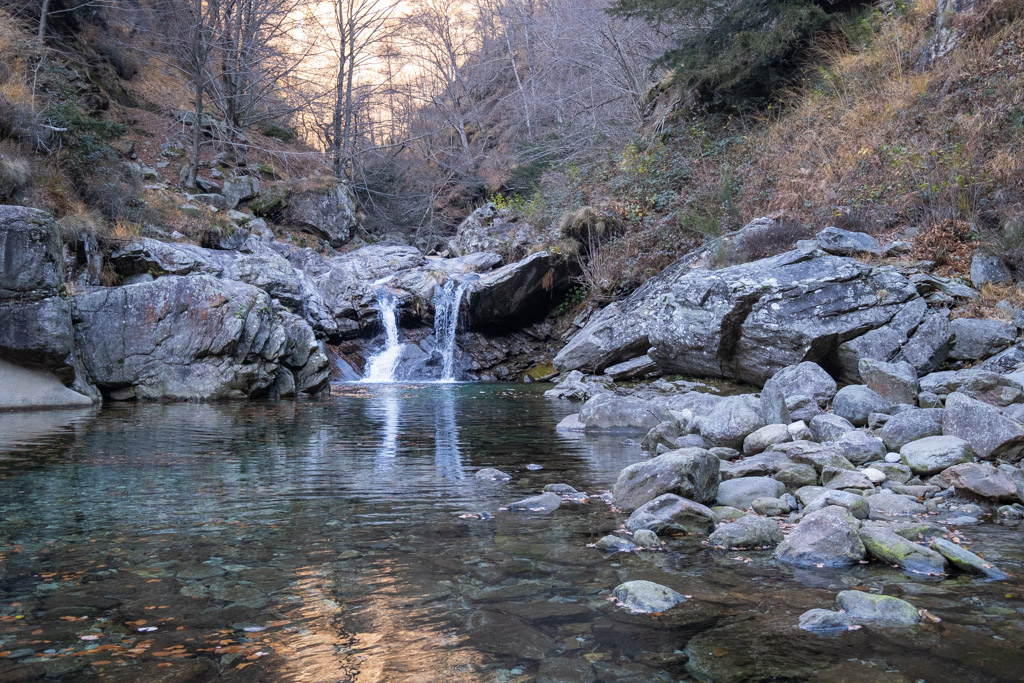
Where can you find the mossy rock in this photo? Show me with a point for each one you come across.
(271, 202)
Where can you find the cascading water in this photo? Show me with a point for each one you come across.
(382, 365)
(446, 324)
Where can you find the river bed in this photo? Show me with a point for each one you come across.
(346, 538)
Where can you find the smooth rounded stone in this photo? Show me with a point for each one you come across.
(887, 546)
(769, 435)
(856, 402)
(829, 427)
(804, 379)
(860, 447)
(690, 473)
(833, 478)
(888, 505)
(615, 544)
(979, 338)
(492, 474)
(911, 425)
(965, 560)
(858, 506)
(505, 634)
(622, 414)
(724, 513)
(544, 503)
(571, 423)
(799, 431)
(824, 620)
(816, 455)
(876, 477)
(565, 670)
(894, 382)
(927, 399)
(771, 507)
(747, 532)
(740, 493)
(878, 610)
(988, 269)
(790, 500)
(669, 513)
(984, 480)
(993, 389)
(796, 475)
(991, 434)
(847, 243)
(646, 597)
(729, 423)
(647, 539)
(933, 454)
(893, 458)
(824, 538)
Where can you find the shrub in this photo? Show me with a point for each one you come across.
(15, 173)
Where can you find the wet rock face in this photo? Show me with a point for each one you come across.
(517, 294)
(180, 338)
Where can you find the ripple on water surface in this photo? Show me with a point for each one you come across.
(346, 539)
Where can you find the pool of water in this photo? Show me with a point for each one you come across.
(346, 539)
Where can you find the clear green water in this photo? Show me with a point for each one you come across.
(346, 539)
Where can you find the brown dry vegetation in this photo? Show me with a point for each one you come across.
(876, 139)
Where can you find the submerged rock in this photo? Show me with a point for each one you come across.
(887, 546)
(825, 620)
(611, 413)
(492, 474)
(615, 544)
(544, 503)
(965, 560)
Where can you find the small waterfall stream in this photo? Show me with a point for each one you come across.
(446, 324)
(382, 365)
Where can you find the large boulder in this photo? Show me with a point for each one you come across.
(749, 321)
(35, 320)
(824, 538)
(856, 402)
(690, 472)
(492, 229)
(149, 256)
(518, 293)
(746, 321)
(930, 344)
(179, 338)
(239, 189)
(987, 268)
(894, 382)
(611, 413)
(329, 213)
(847, 243)
(669, 513)
(883, 343)
(991, 434)
(791, 387)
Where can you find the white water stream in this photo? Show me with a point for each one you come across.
(382, 365)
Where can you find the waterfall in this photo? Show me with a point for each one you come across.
(382, 365)
(446, 324)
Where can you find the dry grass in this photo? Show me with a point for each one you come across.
(985, 306)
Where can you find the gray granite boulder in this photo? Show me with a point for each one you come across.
(729, 423)
(827, 538)
(877, 610)
(749, 531)
(782, 394)
(672, 514)
(987, 268)
(611, 413)
(894, 382)
(765, 437)
(829, 427)
(991, 434)
(984, 480)
(518, 293)
(911, 425)
(691, 473)
(646, 597)
(856, 402)
(933, 454)
(977, 338)
(740, 493)
(860, 447)
(847, 243)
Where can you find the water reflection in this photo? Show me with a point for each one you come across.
(322, 540)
